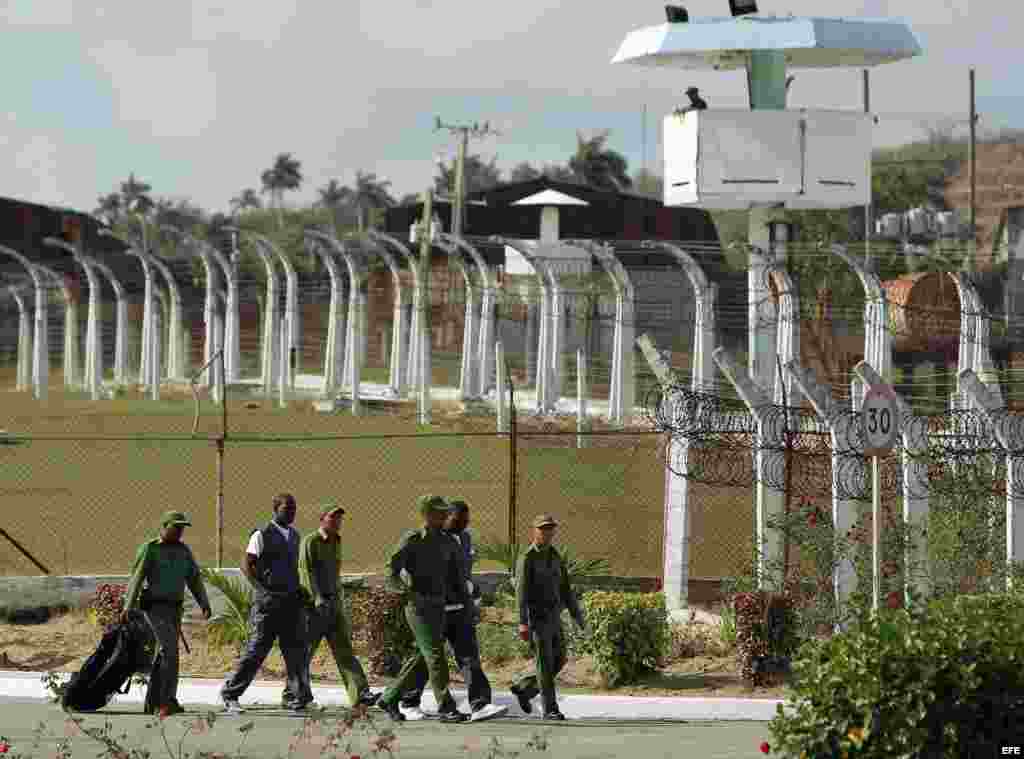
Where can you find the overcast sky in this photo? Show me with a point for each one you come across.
(197, 97)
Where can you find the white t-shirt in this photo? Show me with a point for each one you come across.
(255, 546)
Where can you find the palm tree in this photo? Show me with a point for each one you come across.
(135, 194)
(180, 214)
(370, 193)
(598, 166)
(558, 173)
(284, 175)
(524, 172)
(110, 205)
(333, 196)
(247, 198)
(477, 176)
(231, 626)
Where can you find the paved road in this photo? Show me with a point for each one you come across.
(273, 730)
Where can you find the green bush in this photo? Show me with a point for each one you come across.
(944, 681)
(629, 634)
(378, 622)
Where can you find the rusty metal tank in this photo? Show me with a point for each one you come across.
(924, 312)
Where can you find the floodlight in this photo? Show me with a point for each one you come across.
(676, 14)
(742, 7)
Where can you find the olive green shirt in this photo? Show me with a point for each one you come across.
(542, 586)
(433, 567)
(320, 565)
(161, 572)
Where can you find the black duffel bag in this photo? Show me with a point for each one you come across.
(127, 648)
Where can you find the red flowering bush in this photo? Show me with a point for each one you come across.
(765, 629)
(107, 604)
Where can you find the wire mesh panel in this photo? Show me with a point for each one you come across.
(607, 497)
(82, 506)
(376, 479)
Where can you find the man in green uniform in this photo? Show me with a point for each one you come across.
(319, 567)
(426, 566)
(460, 632)
(163, 567)
(542, 591)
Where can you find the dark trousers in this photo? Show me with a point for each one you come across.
(549, 655)
(271, 619)
(162, 689)
(460, 632)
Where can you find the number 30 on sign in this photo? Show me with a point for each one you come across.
(880, 420)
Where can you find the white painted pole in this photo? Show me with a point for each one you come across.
(499, 394)
(283, 366)
(582, 423)
(876, 531)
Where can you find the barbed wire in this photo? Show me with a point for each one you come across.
(791, 449)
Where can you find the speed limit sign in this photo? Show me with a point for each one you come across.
(880, 420)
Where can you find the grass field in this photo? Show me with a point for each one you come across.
(93, 480)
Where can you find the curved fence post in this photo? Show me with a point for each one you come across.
(770, 502)
(848, 469)
(1009, 432)
(23, 377)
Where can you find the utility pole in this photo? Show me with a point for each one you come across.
(867, 208)
(971, 160)
(464, 132)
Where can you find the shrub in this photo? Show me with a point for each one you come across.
(689, 640)
(945, 681)
(629, 634)
(378, 622)
(229, 627)
(765, 632)
(500, 643)
(106, 605)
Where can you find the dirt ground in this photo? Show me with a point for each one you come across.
(63, 644)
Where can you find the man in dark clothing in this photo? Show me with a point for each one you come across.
(319, 567)
(542, 591)
(427, 567)
(162, 569)
(460, 632)
(272, 567)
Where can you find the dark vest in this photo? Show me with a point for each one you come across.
(278, 565)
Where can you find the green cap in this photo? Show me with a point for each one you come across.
(458, 504)
(433, 503)
(330, 508)
(175, 518)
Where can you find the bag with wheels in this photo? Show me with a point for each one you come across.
(127, 648)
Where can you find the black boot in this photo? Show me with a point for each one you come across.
(392, 711)
(449, 712)
(524, 702)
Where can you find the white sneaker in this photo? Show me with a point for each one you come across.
(231, 706)
(489, 711)
(412, 713)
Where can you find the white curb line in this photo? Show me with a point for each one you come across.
(28, 685)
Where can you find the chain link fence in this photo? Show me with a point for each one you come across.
(84, 486)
